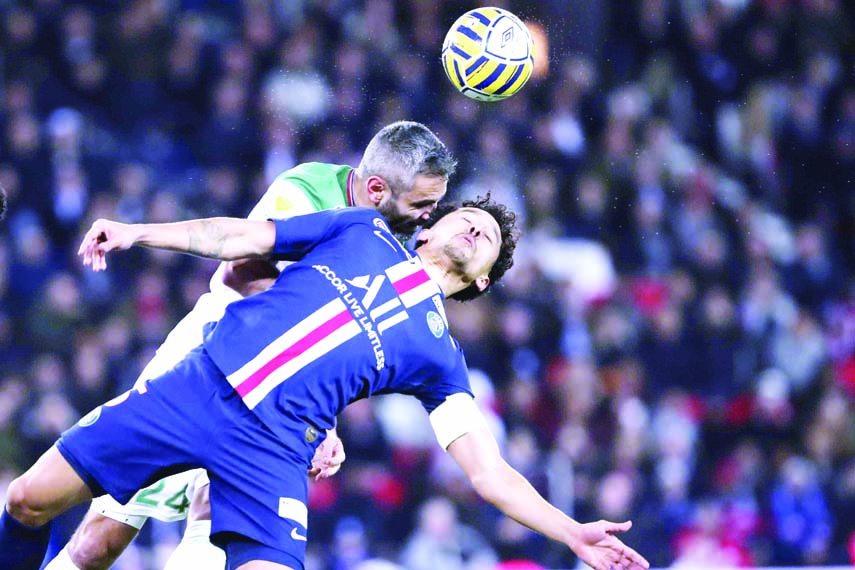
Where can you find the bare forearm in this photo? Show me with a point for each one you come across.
(501, 485)
(226, 239)
(512, 494)
(595, 543)
(217, 238)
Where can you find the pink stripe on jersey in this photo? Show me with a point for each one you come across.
(410, 282)
(293, 351)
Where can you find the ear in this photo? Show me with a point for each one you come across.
(481, 282)
(377, 189)
(424, 235)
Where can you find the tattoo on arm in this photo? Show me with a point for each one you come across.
(207, 239)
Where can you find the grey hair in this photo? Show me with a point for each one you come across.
(401, 151)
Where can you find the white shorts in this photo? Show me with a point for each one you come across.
(168, 500)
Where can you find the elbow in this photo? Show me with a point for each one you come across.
(487, 486)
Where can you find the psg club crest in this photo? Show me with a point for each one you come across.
(435, 324)
(90, 418)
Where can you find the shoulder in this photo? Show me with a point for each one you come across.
(305, 188)
(341, 219)
(363, 216)
(325, 183)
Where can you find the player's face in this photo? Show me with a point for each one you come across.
(407, 210)
(471, 239)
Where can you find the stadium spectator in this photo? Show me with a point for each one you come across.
(440, 540)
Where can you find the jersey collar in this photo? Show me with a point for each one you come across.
(350, 200)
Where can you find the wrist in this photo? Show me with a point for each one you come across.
(573, 534)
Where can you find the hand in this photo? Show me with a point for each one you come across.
(328, 457)
(102, 237)
(601, 550)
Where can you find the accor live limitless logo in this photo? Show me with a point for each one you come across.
(411, 286)
(358, 308)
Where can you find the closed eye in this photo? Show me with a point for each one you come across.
(486, 236)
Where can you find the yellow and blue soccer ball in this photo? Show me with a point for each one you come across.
(488, 54)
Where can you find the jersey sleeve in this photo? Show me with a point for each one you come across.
(450, 403)
(454, 417)
(297, 236)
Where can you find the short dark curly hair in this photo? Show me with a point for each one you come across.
(507, 220)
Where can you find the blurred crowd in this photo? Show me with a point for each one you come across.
(675, 344)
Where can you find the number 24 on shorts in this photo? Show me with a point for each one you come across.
(153, 496)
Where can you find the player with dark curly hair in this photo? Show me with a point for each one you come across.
(506, 219)
(356, 314)
(403, 173)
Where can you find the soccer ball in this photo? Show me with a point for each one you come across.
(488, 54)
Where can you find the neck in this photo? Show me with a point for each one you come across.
(360, 192)
(450, 282)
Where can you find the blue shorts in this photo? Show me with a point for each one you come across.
(191, 417)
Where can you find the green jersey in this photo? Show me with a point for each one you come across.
(306, 188)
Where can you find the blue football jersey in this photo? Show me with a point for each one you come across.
(355, 315)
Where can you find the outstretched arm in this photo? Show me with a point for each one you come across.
(595, 543)
(226, 239)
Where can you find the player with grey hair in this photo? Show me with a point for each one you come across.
(406, 155)
(404, 172)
